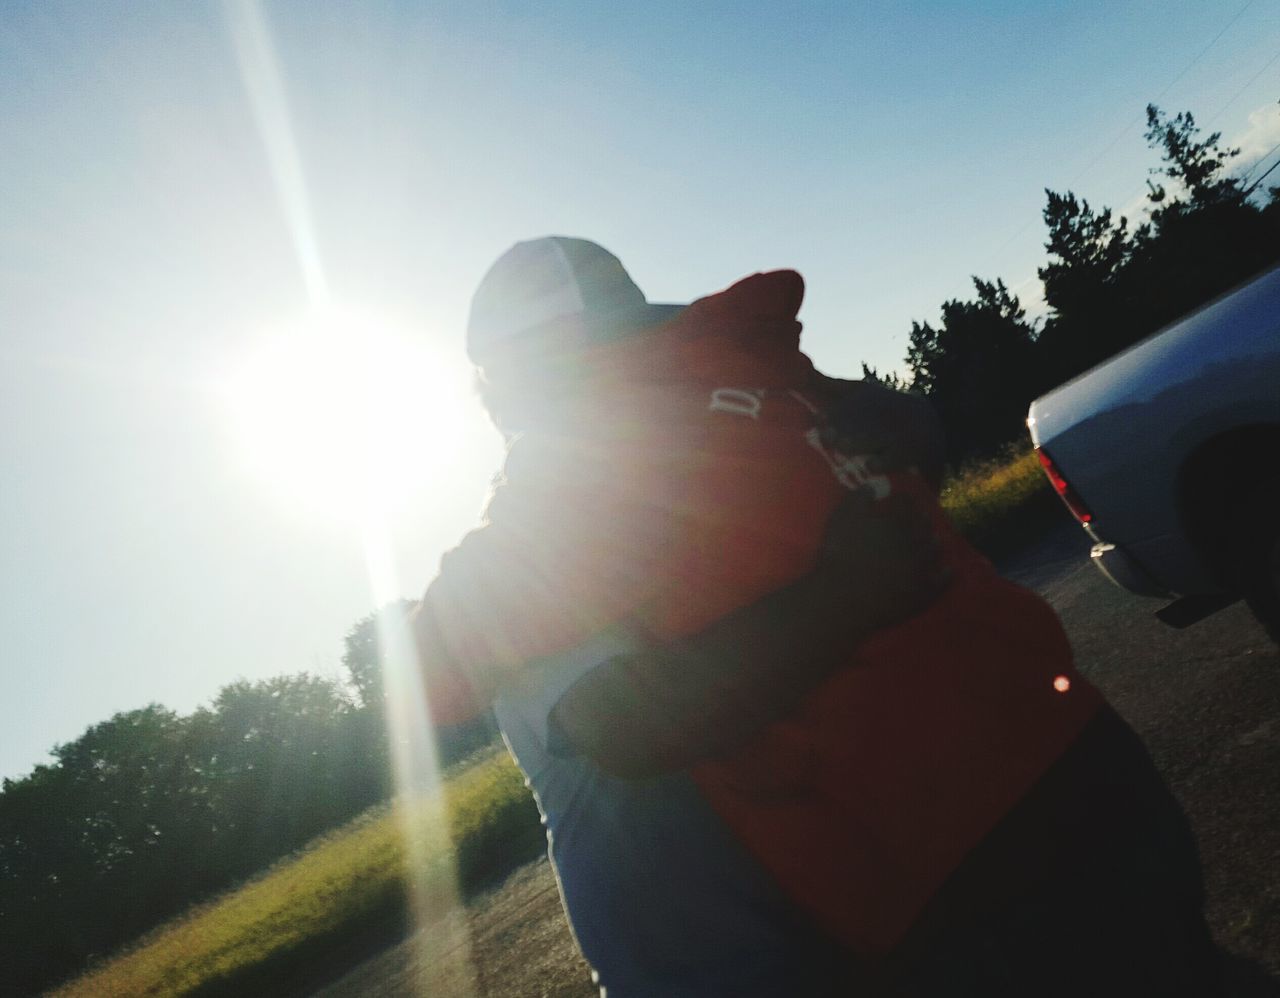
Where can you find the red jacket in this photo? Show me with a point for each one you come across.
(692, 485)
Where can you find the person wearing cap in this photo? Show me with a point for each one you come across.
(677, 603)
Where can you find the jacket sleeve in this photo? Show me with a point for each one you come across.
(535, 580)
(668, 706)
(453, 697)
(902, 428)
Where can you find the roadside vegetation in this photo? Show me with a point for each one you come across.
(342, 894)
(149, 813)
(1003, 502)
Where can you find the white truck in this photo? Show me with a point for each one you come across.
(1169, 456)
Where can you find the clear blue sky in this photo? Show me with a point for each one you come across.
(180, 182)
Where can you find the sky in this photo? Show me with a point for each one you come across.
(238, 241)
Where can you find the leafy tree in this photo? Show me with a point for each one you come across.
(281, 766)
(1205, 234)
(1196, 165)
(1087, 251)
(149, 812)
(979, 367)
(1083, 285)
(363, 658)
(1108, 286)
(92, 848)
(890, 380)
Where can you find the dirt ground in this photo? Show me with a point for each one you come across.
(1206, 700)
(517, 943)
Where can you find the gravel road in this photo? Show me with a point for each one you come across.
(1206, 700)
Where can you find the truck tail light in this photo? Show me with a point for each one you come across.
(1060, 485)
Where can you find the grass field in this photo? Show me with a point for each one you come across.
(346, 892)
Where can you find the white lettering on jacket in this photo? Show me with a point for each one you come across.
(851, 471)
(739, 401)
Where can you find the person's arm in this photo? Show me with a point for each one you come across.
(453, 697)
(666, 707)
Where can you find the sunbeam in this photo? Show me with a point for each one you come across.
(261, 74)
(324, 412)
(433, 885)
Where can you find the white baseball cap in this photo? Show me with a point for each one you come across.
(556, 283)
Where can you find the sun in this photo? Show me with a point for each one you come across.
(344, 416)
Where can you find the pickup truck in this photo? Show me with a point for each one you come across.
(1169, 456)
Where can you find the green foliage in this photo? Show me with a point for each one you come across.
(149, 811)
(362, 655)
(1107, 286)
(1002, 503)
(1195, 165)
(891, 380)
(1083, 286)
(985, 494)
(979, 367)
(278, 932)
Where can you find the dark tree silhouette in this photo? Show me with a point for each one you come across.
(1196, 165)
(1089, 315)
(1205, 235)
(979, 367)
(363, 659)
(148, 812)
(891, 380)
(362, 655)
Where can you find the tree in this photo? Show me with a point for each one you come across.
(93, 848)
(1087, 251)
(1107, 286)
(1195, 165)
(891, 380)
(362, 656)
(1205, 236)
(1083, 285)
(979, 367)
(149, 812)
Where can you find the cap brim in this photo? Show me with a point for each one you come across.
(615, 325)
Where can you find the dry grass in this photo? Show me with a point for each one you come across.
(993, 498)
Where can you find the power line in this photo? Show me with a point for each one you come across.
(1129, 127)
(1252, 187)
(1253, 79)
(1160, 96)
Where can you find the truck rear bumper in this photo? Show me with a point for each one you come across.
(1120, 567)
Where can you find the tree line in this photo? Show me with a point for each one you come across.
(150, 811)
(1107, 284)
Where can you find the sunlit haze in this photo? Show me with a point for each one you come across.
(238, 241)
(344, 418)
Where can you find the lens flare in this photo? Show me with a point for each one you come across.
(306, 407)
